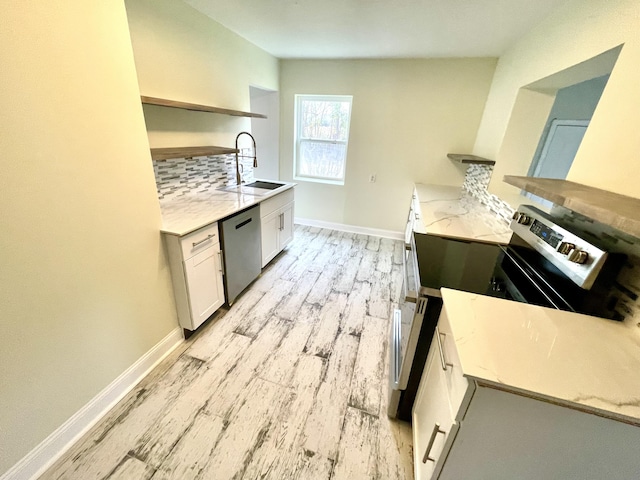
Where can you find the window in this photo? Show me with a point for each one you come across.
(321, 137)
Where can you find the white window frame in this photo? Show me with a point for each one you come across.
(298, 138)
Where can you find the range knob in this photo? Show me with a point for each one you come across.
(565, 247)
(521, 218)
(497, 285)
(578, 256)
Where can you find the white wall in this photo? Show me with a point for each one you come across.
(84, 283)
(181, 54)
(406, 116)
(574, 33)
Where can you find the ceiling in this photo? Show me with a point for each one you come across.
(379, 28)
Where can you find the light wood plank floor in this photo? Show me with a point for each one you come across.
(289, 383)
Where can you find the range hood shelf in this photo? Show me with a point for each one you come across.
(618, 211)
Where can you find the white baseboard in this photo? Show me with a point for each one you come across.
(376, 232)
(55, 445)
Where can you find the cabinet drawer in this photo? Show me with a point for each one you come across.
(449, 361)
(272, 204)
(199, 240)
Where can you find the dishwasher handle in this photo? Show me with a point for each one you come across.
(242, 224)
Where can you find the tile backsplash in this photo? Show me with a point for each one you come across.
(476, 182)
(181, 176)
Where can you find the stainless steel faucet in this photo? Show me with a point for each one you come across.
(254, 156)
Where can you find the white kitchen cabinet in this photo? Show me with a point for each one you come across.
(196, 271)
(276, 223)
(432, 418)
(485, 431)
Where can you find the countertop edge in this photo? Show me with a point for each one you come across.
(580, 407)
(497, 241)
(216, 218)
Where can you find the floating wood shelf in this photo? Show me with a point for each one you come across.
(163, 102)
(182, 152)
(618, 211)
(468, 159)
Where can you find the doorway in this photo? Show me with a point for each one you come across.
(559, 148)
(266, 132)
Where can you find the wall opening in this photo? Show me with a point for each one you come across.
(570, 95)
(266, 132)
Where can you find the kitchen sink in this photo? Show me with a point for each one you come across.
(254, 188)
(264, 185)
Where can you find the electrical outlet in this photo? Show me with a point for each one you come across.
(372, 178)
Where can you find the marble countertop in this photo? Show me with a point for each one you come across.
(581, 361)
(187, 213)
(447, 211)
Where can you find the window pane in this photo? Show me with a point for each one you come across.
(322, 135)
(321, 159)
(325, 120)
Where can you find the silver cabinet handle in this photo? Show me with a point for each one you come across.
(282, 221)
(444, 363)
(434, 434)
(209, 237)
(221, 262)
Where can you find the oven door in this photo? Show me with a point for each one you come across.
(405, 329)
(517, 279)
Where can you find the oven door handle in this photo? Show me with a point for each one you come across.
(409, 295)
(395, 351)
(515, 262)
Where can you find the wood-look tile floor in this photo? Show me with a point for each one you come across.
(289, 383)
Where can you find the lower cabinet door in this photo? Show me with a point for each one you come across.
(270, 230)
(286, 232)
(203, 274)
(432, 418)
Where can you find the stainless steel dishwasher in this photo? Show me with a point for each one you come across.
(240, 235)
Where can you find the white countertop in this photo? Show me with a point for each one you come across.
(446, 211)
(187, 213)
(581, 361)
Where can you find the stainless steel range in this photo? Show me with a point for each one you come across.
(553, 265)
(545, 263)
